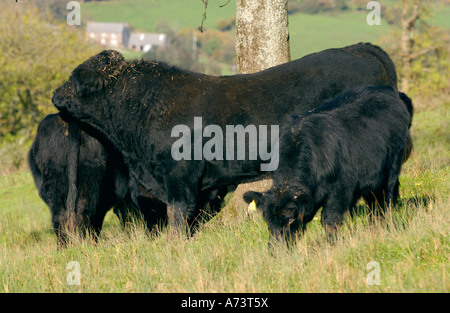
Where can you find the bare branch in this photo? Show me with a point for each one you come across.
(414, 17)
(422, 52)
(222, 5)
(205, 2)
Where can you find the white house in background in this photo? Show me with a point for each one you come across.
(109, 34)
(144, 42)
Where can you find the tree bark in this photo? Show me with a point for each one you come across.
(262, 41)
(262, 34)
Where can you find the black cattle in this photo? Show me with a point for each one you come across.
(78, 179)
(349, 147)
(136, 105)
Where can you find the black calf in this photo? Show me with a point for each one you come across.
(349, 147)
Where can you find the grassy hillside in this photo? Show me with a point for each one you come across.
(412, 247)
(144, 15)
(308, 33)
(311, 33)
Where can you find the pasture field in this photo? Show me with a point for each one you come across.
(143, 15)
(308, 32)
(407, 252)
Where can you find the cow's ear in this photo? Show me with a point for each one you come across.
(87, 81)
(258, 197)
(304, 203)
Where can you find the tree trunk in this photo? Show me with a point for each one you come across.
(262, 41)
(262, 34)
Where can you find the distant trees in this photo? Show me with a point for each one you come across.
(419, 50)
(316, 6)
(205, 52)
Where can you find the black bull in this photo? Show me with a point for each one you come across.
(136, 104)
(78, 179)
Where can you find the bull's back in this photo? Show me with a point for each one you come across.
(267, 97)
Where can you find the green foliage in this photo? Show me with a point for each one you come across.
(180, 48)
(316, 6)
(36, 56)
(429, 73)
(226, 24)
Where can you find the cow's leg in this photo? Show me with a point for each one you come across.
(154, 213)
(387, 194)
(333, 212)
(375, 199)
(393, 183)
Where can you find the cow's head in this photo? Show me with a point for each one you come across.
(283, 211)
(84, 95)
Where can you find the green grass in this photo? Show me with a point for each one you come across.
(229, 254)
(144, 14)
(308, 33)
(441, 16)
(312, 33)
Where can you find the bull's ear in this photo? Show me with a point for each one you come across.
(87, 81)
(249, 196)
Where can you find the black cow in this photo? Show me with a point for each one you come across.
(136, 105)
(78, 179)
(349, 147)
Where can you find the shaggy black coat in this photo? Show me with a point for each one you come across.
(348, 148)
(77, 178)
(135, 104)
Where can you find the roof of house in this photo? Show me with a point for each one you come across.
(97, 27)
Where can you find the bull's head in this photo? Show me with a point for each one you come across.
(81, 96)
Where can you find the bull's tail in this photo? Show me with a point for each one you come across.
(385, 60)
(73, 154)
(409, 143)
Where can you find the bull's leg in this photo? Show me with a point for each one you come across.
(180, 215)
(182, 207)
(94, 221)
(53, 197)
(58, 222)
